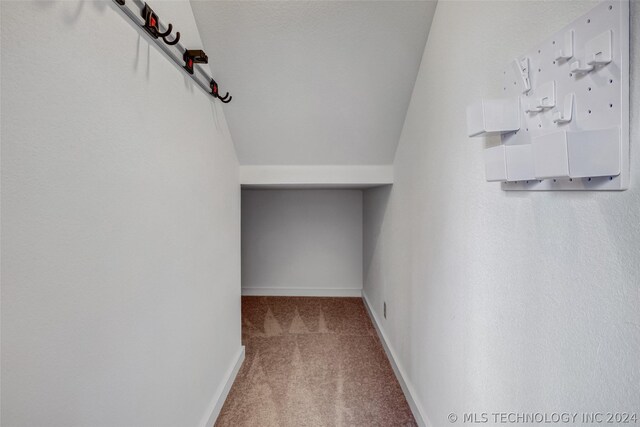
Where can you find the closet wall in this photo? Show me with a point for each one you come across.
(496, 301)
(120, 224)
(302, 242)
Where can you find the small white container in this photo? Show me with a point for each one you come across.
(495, 164)
(582, 154)
(493, 116)
(551, 155)
(594, 153)
(520, 162)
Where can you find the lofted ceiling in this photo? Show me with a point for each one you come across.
(315, 82)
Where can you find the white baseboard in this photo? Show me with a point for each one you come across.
(407, 388)
(303, 292)
(221, 394)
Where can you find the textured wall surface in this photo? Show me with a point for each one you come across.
(303, 242)
(498, 301)
(315, 82)
(120, 224)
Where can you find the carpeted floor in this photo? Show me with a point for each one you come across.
(312, 362)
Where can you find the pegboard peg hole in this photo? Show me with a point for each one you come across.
(589, 179)
(589, 111)
(610, 105)
(610, 178)
(610, 7)
(589, 89)
(588, 21)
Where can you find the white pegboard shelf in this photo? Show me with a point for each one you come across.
(573, 90)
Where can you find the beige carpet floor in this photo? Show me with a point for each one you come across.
(312, 362)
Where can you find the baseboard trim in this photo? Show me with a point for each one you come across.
(407, 388)
(221, 394)
(303, 292)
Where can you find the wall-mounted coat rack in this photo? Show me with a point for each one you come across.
(563, 111)
(145, 18)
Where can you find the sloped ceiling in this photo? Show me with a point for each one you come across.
(315, 82)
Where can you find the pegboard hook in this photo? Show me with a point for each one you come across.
(566, 114)
(566, 51)
(521, 67)
(577, 69)
(599, 49)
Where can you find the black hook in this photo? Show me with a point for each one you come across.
(175, 41)
(166, 33)
(152, 25)
(214, 91)
(225, 99)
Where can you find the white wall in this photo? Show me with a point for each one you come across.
(526, 301)
(302, 242)
(120, 224)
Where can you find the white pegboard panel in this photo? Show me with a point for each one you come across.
(565, 97)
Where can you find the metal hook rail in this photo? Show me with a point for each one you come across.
(143, 17)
